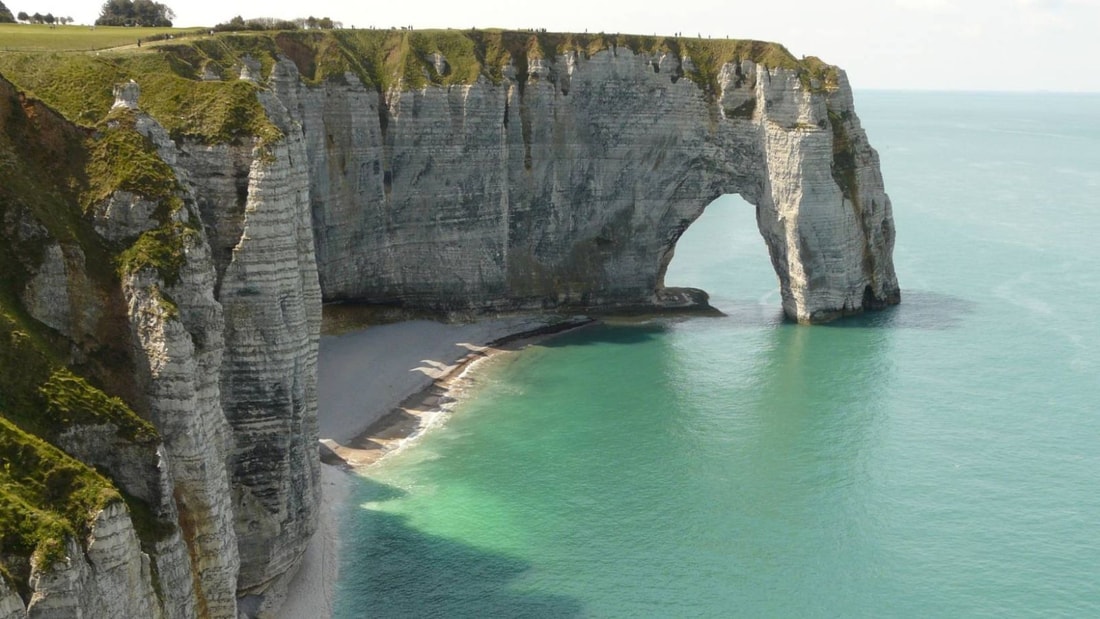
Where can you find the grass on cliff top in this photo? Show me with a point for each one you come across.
(43, 38)
(81, 87)
(402, 58)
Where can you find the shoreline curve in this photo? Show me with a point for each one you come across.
(404, 404)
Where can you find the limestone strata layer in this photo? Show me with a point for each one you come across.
(223, 353)
(250, 299)
(110, 577)
(571, 186)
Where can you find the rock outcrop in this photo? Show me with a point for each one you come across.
(220, 351)
(552, 173)
(109, 577)
(233, 365)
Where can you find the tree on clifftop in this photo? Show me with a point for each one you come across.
(5, 15)
(135, 13)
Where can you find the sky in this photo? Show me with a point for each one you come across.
(998, 45)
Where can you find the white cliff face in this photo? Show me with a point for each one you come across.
(11, 605)
(185, 407)
(223, 351)
(829, 227)
(109, 577)
(272, 302)
(255, 352)
(571, 187)
(178, 331)
(142, 471)
(61, 295)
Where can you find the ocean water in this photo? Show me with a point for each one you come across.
(941, 458)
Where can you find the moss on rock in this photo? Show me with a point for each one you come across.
(46, 495)
(80, 86)
(844, 163)
(122, 159)
(163, 249)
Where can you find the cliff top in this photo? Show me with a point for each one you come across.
(192, 87)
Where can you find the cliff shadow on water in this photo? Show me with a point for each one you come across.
(409, 573)
(923, 309)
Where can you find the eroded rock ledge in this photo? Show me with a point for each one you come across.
(444, 171)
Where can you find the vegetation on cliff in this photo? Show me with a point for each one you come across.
(46, 387)
(80, 87)
(45, 497)
(45, 494)
(389, 59)
(178, 91)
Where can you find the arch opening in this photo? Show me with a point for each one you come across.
(723, 254)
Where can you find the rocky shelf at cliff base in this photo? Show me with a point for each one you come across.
(173, 219)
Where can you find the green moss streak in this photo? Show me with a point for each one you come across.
(844, 158)
(121, 159)
(163, 249)
(71, 400)
(45, 495)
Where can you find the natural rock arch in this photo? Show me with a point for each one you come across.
(570, 186)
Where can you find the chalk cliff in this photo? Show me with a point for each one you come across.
(569, 181)
(166, 250)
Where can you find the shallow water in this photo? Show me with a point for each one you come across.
(939, 458)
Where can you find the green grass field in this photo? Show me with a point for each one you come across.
(42, 38)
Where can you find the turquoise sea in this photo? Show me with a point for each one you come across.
(939, 459)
